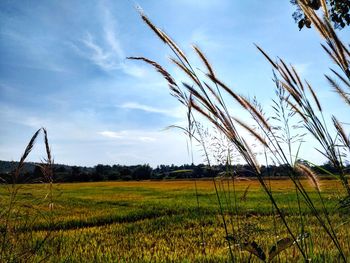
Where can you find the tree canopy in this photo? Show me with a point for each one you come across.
(338, 12)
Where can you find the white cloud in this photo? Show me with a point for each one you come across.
(110, 33)
(107, 53)
(102, 58)
(302, 68)
(133, 70)
(146, 139)
(111, 134)
(137, 106)
(207, 40)
(130, 136)
(177, 112)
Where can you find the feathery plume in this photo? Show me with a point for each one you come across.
(158, 67)
(314, 96)
(306, 171)
(254, 133)
(205, 60)
(339, 127)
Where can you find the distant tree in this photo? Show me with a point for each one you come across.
(61, 174)
(142, 172)
(125, 173)
(77, 175)
(99, 174)
(339, 12)
(328, 166)
(113, 175)
(37, 174)
(61, 169)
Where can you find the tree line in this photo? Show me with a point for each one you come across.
(32, 172)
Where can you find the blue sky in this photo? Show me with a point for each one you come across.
(63, 67)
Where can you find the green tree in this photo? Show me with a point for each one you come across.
(339, 12)
(142, 172)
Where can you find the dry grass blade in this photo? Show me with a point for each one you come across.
(341, 50)
(298, 79)
(295, 108)
(158, 67)
(205, 60)
(314, 96)
(267, 57)
(306, 171)
(153, 27)
(256, 113)
(226, 121)
(245, 193)
(48, 166)
(164, 37)
(186, 71)
(211, 119)
(290, 75)
(339, 90)
(346, 82)
(280, 245)
(250, 158)
(47, 147)
(332, 56)
(173, 45)
(178, 94)
(237, 97)
(214, 93)
(294, 93)
(203, 100)
(341, 132)
(254, 133)
(325, 9)
(25, 154)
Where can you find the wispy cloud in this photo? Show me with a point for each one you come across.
(146, 139)
(107, 53)
(104, 59)
(111, 134)
(131, 136)
(302, 68)
(110, 35)
(177, 112)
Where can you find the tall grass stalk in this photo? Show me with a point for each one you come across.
(11, 212)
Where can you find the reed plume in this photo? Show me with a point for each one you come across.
(309, 174)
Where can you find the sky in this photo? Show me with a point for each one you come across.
(63, 67)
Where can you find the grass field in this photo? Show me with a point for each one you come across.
(161, 221)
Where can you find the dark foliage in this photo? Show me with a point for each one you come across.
(339, 13)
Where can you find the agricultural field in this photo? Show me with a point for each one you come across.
(166, 221)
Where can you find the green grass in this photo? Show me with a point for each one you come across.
(160, 221)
